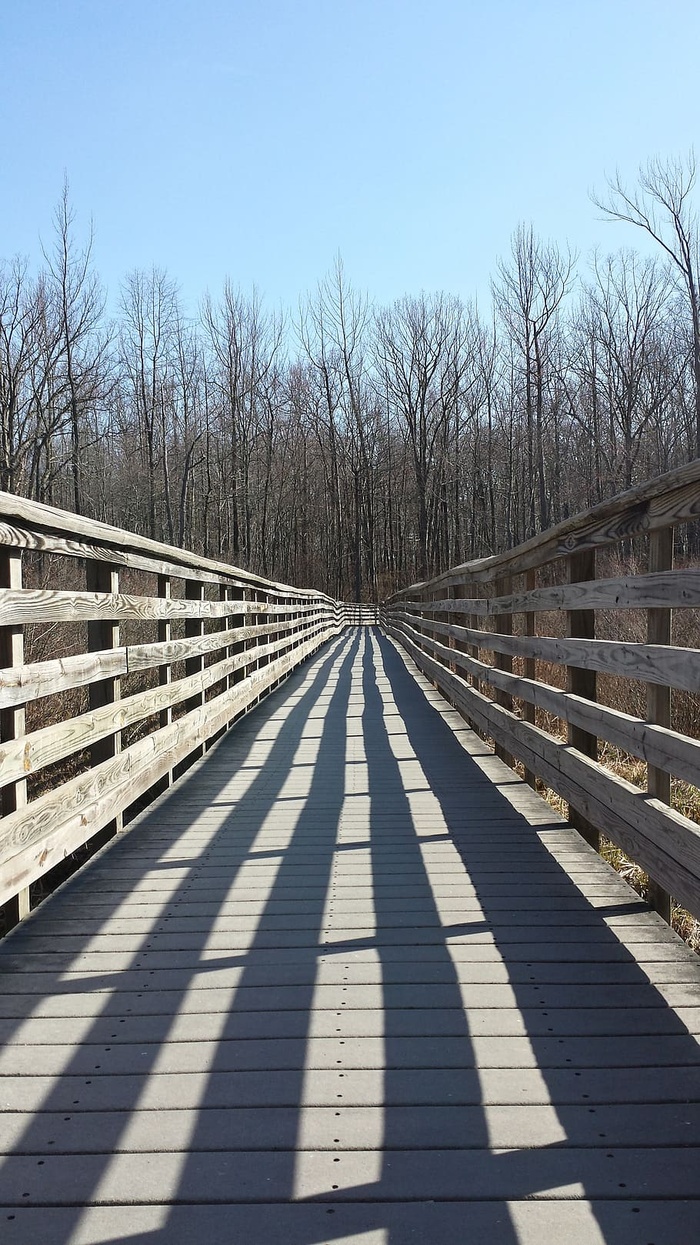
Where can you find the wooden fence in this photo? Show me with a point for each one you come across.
(123, 659)
(360, 614)
(483, 633)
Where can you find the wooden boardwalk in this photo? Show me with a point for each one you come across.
(350, 980)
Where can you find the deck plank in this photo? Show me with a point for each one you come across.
(349, 980)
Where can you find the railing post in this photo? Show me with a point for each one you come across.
(264, 619)
(659, 697)
(581, 625)
(281, 636)
(424, 596)
(474, 623)
(529, 668)
(453, 593)
(464, 620)
(226, 594)
(165, 671)
(194, 629)
(221, 625)
(12, 721)
(429, 595)
(294, 623)
(254, 643)
(104, 634)
(237, 620)
(251, 620)
(504, 661)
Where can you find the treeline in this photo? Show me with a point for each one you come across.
(351, 447)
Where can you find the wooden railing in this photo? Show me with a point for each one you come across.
(123, 659)
(360, 614)
(482, 632)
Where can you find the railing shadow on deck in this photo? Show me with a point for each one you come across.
(551, 649)
(527, 1172)
(407, 986)
(29, 946)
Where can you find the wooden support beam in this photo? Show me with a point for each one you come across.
(194, 629)
(13, 795)
(529, 709)
(238, 621)
(165, 631)
(581, 625)
(103, 633)
(503, 661)
(659, 697)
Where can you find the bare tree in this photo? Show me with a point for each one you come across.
(421, 361)
(325, 380)
(246, 343)
(334, 329)
(19, 316)
(662, 207)
(150, 317)
(528, 293)
(83, 356)
(393, 442)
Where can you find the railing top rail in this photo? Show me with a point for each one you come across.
(665, 501)
(31, 524)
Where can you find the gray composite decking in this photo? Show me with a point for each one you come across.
(350, 980)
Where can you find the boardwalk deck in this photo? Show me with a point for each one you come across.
(349, 981)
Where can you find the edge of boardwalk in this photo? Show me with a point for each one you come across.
(349, 980)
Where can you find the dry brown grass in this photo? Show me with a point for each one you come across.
(684, 797)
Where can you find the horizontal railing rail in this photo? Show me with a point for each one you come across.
(122, 659)
(361, 614)
(546, 659)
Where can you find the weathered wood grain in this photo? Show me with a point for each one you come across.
(13, 795)
(46, 523)
(165, 670)
(18, 538)
(18, 684)
(34, 839)
(504, 661)
(22, 683)
(677, 589)
(529, 665)
(582, 681)
(658, 697)
(43, 542)
(194, 630)
(661, 840)
(12, 719)
(29, 753)
(660, 746)
(103, 635)
(43, 605)
(652, 663)
(145, 656)
(270, 641)
(475, 590)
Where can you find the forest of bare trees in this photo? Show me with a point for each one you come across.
(353, 447)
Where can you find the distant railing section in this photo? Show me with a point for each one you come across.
(142, 656)
(484, 631)
(357, 614)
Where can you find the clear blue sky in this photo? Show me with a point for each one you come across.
(257, 138)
